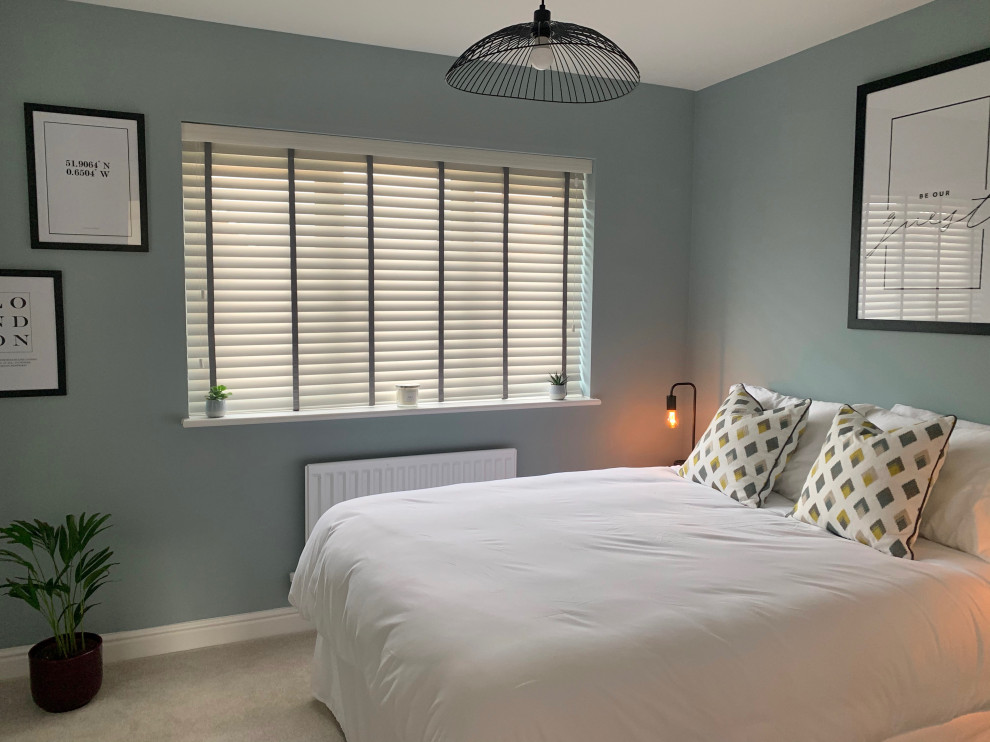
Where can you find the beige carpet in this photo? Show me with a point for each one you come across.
(250, 692)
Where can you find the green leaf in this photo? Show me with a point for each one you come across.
(87, 567)
(97, 525)
(53, 587)
(81, 564)
(27, 593)
(88, 528)
(9, 556)
(94, 587)
(101, 574)
(46, 537)
(21, 533)
(62, 544)
(72, 531)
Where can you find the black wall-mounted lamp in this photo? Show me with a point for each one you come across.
(672, 418)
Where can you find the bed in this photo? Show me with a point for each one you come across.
(630, 604)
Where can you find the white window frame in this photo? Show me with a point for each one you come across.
(580, 394)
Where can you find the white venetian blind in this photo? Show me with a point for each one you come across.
(474, 229)
(321, 275)
(331, 207)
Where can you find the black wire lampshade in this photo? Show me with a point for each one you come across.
(548, 61)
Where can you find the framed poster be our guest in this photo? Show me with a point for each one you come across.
(86, 179)
(32, 338)
(921, 203)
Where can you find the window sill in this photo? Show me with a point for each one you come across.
(343, 413)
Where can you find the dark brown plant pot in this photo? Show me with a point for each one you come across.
(59, 684)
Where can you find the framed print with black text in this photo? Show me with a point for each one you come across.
(32, 338)
(921, 203)
(86, 179)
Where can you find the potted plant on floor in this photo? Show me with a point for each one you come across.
(216, 401)
(59, 575)
(558, 385)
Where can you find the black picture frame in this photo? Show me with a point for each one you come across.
(56, 277)
(862, 94)
(37, 242)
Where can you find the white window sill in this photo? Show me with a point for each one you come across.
(425, 408)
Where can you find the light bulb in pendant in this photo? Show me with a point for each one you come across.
(541, 58)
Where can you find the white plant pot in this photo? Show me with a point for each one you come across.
(558, 391)
(216, 407)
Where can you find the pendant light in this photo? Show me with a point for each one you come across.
(546, 60)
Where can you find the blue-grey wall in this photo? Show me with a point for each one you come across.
(773, 175)
(209, 521)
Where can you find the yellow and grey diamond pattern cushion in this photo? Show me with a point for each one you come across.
(745, 448)
(870, 484)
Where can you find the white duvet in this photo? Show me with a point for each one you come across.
(629, 604)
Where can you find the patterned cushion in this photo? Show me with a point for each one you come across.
(745, 447)
(870, 484)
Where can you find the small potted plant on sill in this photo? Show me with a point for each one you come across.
(216, 401)
(558, 385)
(61, 572)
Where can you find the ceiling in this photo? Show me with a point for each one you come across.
(684, 43)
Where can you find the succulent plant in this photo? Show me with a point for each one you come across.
(218, 392)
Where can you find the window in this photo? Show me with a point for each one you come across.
(321, 271)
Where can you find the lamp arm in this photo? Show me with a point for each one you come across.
(694, 408)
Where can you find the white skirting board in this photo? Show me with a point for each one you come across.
(177, 637)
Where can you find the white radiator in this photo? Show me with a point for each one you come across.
(328, 484)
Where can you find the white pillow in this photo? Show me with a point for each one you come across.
(957, 514)
(820, 415)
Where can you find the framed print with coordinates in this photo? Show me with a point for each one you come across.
(86, 179)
